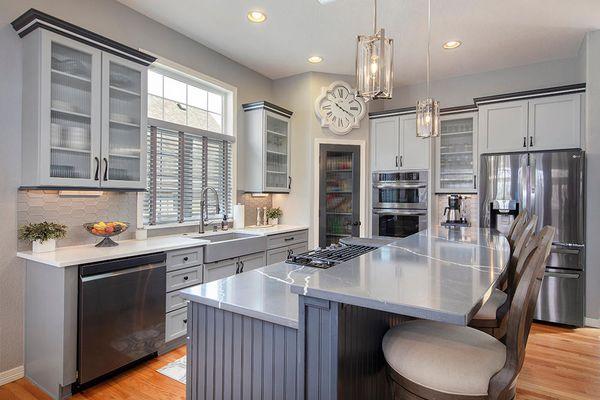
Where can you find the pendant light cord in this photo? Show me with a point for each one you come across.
(428, 41)
(374, 17)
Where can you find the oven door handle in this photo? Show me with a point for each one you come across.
(399, 212)
(397, 185)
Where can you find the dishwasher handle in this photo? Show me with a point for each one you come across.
(113, 274)
(104, 267)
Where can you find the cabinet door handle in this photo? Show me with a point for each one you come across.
(530, 141)
(289, 182)
(105, 169)
(97, 173)
(474, 181)
(401, 161)
(237, 267)
(396, 161)
(242, 266)
(524, 141)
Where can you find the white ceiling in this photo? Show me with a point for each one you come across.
(495, 33)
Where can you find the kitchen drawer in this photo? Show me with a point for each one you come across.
(183, 278)
(174, 301)
(175, 324)
(184, 258)
(298, 248)
(287, 239)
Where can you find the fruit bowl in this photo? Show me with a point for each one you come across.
(106, 230)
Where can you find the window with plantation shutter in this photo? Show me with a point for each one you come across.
(189, 148)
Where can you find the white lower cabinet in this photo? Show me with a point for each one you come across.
(220, 269)
(176, 324)
(252, 261)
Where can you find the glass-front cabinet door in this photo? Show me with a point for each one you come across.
(277, 175)
(124, 123)
(70, 131)
(456, 150)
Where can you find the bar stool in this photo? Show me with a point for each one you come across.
(435, 361)
(491, 317)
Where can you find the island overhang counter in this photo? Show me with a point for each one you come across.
(286, 331)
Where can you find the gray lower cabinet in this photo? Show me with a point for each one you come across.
(184, 269)
(252, 261)
(232, 266)
(282, 254)
(283, 245)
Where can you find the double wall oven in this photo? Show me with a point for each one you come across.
(399, 203)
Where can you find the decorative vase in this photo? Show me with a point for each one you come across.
(43, 247)
(274, 221)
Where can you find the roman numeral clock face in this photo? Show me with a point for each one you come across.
(338, 108)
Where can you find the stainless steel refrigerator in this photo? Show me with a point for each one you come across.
(549, 184)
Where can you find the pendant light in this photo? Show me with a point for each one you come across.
(428, 110)
(374, 64)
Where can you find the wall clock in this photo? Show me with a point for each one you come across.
(339, 109)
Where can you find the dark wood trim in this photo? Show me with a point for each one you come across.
(269, 106)
(33, 19)
(81, 188)
(531, 94)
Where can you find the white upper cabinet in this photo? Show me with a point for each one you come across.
(395, 145)
(124, 123)
(555, 122)
(385, 143)
(456, 154)
(84, 111)
(503, 127)
(543, 123)
(267, 148)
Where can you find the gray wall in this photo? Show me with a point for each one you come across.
(461, 90)
(114, 20)
(591, 59)
(298, 93)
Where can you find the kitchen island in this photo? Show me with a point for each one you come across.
(289, 331)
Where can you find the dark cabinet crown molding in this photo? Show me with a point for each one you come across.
(268, 106)
(33, 19)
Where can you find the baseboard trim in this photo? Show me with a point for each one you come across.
(592, 322)
(11, 375)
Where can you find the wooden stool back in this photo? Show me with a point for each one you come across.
(517, 228)
(520, 316)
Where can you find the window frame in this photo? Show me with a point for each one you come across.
(195, 78)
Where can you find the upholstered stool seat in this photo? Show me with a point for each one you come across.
(446, 358)
(490, 308)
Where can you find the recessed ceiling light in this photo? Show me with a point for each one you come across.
(256, 16)
(452, 44)
(315, 59)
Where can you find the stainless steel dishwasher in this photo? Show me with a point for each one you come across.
(121, 313)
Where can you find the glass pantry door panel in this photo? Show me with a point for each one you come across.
(74, 111)
(126, 116)
(456, 169)
(277, 152)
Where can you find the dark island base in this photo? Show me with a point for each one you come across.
(335, 354)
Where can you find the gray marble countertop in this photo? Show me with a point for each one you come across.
(441, 274)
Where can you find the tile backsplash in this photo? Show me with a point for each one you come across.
(251, 203)
(472, 204)
(72, 211)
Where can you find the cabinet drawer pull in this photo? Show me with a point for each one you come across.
(185, 278)
(105, 169)
(288, 239)
(97, 173)
(185, 259)
(185, 321)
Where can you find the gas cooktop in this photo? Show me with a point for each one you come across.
(330, 256)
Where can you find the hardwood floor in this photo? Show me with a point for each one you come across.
(561, 363)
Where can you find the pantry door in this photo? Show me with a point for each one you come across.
(339, 192)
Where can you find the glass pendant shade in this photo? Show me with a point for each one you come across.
(428, 118)
(374, 66)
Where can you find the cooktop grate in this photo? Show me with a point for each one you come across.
(328, 257)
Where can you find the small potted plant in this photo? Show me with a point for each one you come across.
(273, 215)
(43, 235)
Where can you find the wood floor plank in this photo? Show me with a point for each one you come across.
(560, 364)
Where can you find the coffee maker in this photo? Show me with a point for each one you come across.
(455, 212)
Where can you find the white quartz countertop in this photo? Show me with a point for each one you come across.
(84, 254)
(439, 274)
